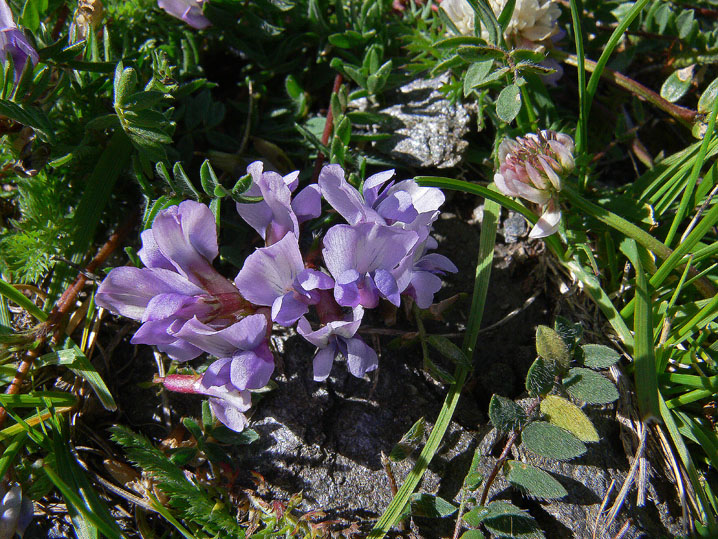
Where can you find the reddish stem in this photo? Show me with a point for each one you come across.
(327, 130)
(61, 308)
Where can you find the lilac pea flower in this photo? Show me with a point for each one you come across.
(275, 276)
(189, 11)
(277, 213)
(405, 203)
(365, 262)
(14, 43)
(337, 338)
(177, 284)
(424, 281)
(245, 360)
(227, 402)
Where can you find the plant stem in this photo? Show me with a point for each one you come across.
(505, 453)
(684, 115)
(61, 308)
(328, 124)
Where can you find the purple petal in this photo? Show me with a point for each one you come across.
(361, 358)
(229, 414)
(165, 305)
(365, 247)
(176, 236)
(206, 338)
(435, 262)
(6, 18)
(387, 286)
(189, 11)
(150, 253)
(310, 279)
(307, 204)
(269, 272)
(128, 290)
(373, 184)
(423, 287)
(343, 197)
(252, 370)
(258, 215)
(287, 309)
(200, 228)
(217, 374)
(398, 207)
(322, 363)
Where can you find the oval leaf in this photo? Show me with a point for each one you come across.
(532, 481)
(550, 346)
(677, 84)
(508, 103)
(505, 414)
(705, 103)
(567, 415)
(597, 356)
(476, 73)
(550, 441)
(589, 386)
(540, 378)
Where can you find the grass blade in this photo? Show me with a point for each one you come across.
(481, 284)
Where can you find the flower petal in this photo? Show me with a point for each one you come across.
(322, 363)
(361, 358)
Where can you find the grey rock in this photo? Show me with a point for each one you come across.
(427, 129)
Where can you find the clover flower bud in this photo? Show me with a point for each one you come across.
(532, 167)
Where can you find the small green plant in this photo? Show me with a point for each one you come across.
(550, 425)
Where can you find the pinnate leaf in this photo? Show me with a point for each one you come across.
(550, 441)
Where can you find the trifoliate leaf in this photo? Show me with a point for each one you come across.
(550, 441)
(597, 356)
(532, 481)
(589, 386)
(550, 346)
(508, 104)
(505, 414)
(540, 378)
(565, 414)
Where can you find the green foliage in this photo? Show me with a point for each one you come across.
(589, 386)
(551, 347)
(550, 441)
(404, 447)
(533, 481)
(541, 377)
(194, 502)
(505, 414)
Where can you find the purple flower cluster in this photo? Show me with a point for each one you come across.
(186, 307)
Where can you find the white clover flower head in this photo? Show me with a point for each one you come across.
(532, 167)
(532, 20)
